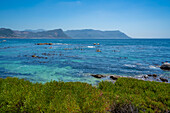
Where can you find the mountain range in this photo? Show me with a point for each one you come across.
(60, 34)
(96, 34)
(28, 34)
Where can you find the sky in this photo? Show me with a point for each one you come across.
(136, 18)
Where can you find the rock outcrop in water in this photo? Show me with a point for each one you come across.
(152, 75)
(44, 44)
(163, 79)
(114, 77)
(165, 66)
(98, 75)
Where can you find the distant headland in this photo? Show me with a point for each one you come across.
(60, 34)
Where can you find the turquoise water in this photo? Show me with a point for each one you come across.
(75, 60)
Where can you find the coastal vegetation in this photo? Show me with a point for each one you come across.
(125, 95)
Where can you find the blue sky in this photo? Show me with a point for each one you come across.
(136, 18)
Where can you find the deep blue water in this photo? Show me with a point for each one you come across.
(77, 59)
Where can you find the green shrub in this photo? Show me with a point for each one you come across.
(126, 95)
(18, 95)
(145, 96)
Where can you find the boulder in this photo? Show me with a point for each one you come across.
(98, 75)
(163, 79)
(165, 66)
(114, 77)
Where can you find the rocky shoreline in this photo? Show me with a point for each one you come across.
(149, 77)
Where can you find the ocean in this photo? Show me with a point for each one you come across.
(71, 60)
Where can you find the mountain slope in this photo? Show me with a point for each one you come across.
(96, 34)
(50, 34)
(7, 33)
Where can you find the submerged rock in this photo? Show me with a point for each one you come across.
(163, 79)
(98, 50)
(39, 57)
(98, 75)
(34, 56)
(116, 50)
(152, 75)
(44, 44)
(165, 66)
(114, 77)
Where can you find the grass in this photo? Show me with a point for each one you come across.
(126, 95)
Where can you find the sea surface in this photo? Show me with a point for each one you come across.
(76, 59)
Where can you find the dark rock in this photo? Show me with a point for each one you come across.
(98, 50)
(114, 77)
(44, 44)
(98, 76)
(165, 66)
(149, 75)
(39, 57)
(163, 79)
(152, 75)
(34, 56)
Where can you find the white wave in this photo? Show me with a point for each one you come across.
(60, 44)
(129, 65)
(153, 67)
(91, 46)
(138, 64)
